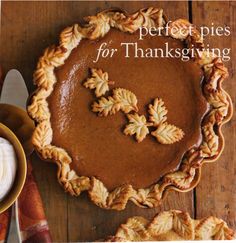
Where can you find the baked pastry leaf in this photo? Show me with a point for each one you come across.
(138, 126)
(128, 100)
(173, 225)
(167, 133)
(157, 112)
(180, 29)
(98, 81)
(106, 106)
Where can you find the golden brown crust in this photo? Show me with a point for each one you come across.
(98, 81)
(188, 174)
(106, 106)
(122, 99)
(173, 225)
(157, 112)
(138, 126)
(167, 133)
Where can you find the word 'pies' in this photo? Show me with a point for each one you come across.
(92, 152)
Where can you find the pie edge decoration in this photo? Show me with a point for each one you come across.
(188, 174)
(172, 225)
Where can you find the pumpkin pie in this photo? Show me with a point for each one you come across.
(128, 126)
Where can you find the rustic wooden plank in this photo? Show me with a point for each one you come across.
(216, 193)
(28, 28)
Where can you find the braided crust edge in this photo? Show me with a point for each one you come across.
(188, 175)
(173, 225)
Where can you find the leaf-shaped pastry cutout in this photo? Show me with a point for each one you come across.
(118, 198)
(99, 81)
(127, 99)
(183, 225)
(179, 29)
(134, 229)
(137, 125)
(162, 223)
(168, 134)
(180, 179)
(157, 112)
(218, 99)
(211, 142)
(98, 193)
(106, 106)
(42, 135)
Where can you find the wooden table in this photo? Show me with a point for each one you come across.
(29, 27)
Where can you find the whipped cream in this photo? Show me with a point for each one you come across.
(8, 165)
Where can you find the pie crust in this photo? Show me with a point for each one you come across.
(172, 226)
(187, 176)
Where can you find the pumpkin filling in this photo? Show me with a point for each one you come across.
(97, 145)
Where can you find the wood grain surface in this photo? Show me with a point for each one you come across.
(29, 27)
(216, 193)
